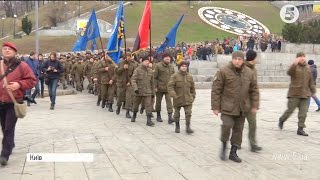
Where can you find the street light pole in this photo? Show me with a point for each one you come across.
(2, 25)
(37, 26)
(14, 25)
(79, 9)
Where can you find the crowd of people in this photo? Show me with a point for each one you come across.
(140, 81)
(206, 50)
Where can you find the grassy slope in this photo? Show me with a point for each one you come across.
(43, 13)
(193, 29)
(164, 16)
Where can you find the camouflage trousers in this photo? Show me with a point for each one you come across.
(234, 123)
(302, 105)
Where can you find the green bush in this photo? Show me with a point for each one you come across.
(26, 25)
(302, 33)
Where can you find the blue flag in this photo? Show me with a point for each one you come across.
(93, 45)
(116, 36)
(91, 32)
(171, 37)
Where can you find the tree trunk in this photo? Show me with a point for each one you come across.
(8, 8)
(27, 5)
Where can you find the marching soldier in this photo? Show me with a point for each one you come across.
(301, 89)
(88, 74)
(143, 87)
(234, 92)
(106, 72)
(77, 71)
(67, 70)
(96, 79)
(181, 88)
(162, 74)
(124, 87)
(72, 78)
(251, 116)
(62, 76)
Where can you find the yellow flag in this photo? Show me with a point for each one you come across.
(316, 8)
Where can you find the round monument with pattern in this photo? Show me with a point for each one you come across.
(232, 21)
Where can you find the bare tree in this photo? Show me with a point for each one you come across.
(8, 8)
(57, 15)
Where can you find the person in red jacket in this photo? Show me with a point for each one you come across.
(19, 80)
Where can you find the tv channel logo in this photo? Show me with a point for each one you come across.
(289, 13)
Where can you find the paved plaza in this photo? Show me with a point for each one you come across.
(134, 151)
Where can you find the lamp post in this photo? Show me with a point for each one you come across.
(3, 25)
(14, 25)
(79, 9)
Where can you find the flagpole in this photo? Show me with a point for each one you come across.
(150, 33)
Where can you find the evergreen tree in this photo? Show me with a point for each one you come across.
(26, 25)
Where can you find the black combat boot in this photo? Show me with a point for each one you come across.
(188, 129)
(177, 130)
(280, 124)
(128, 113)
(98, 101)
(170, 119)
(103, 104)
(255, 148)
(141, 110)
(118, 110)
(233, 155)
(3, 161)
(124, 105)
(149, 122)
(301, 132)
(223, 151)
(52, 106)
(133, 119)
(159, 117)
(110, 107)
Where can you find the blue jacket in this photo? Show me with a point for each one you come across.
(54, 64)
(34, 65)
(314, 72)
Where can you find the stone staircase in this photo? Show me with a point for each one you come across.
(271, 69)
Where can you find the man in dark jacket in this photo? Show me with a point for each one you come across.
(34, 65)
(181, 87)
(301, 89)
(250, 62)
(162, 73)
(18, 81)
(314, 72)
(143, 88)
(234, 94)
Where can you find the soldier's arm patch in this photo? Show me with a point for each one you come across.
(215, 77)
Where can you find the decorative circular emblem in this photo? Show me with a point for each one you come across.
(90, 30)
(232, 21)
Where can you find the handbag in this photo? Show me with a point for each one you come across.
(19, 109)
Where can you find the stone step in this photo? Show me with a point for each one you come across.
(270, 58)
(203, 71)
(203, 64)
(208, 78)
(272, 73)
(202, 78)
(208, 85)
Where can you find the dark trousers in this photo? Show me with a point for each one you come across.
(36, 91)
(41, 80)
(52, 88)
(8, 124)
(234, 123)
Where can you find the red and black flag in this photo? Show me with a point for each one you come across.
(144, 29)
